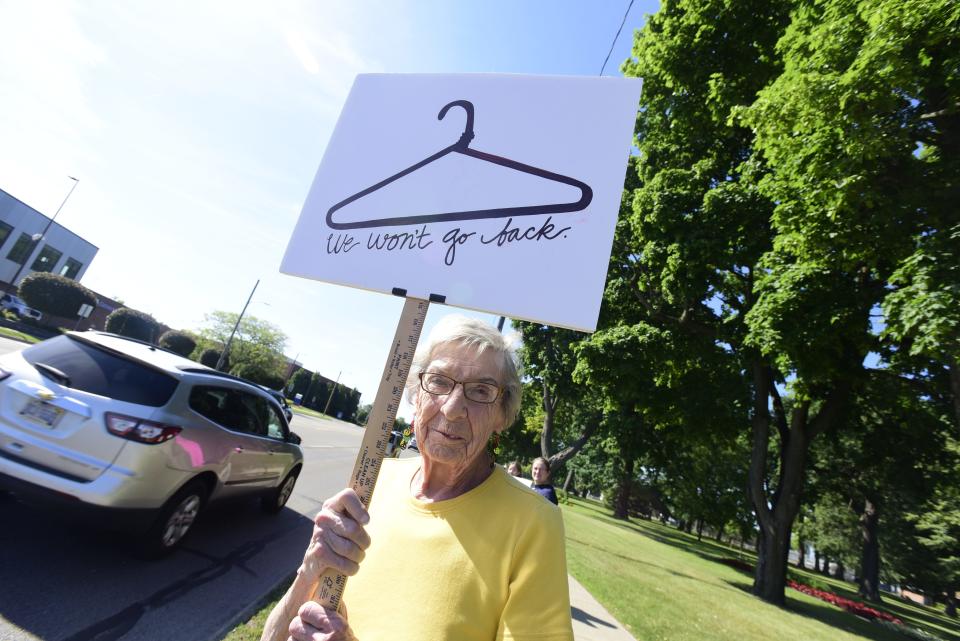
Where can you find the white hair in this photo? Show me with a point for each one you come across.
(469, 332)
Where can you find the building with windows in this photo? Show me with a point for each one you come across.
(27, 245)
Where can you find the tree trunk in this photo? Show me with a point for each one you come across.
(816, 560)
(775, 514)
(870, 553)
(567, 481)
(546, 434)
(771, 572)
(699, 529)
(719, 537)
(951, 610)
(841, 571)
(622, 500)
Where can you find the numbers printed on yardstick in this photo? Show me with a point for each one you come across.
(382, 415)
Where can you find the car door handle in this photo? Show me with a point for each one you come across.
(238, 449)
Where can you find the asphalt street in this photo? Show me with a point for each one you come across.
(63, 578)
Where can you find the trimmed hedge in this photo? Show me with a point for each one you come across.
(132, 324)
(210, 356)
(178, 342)
(54, 294)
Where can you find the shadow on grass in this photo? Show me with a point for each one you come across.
(715, 551)
(911, 614)
(834, 617)
(647, 563)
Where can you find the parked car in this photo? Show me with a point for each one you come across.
(16, 305)
(282, 400)
(119, 426)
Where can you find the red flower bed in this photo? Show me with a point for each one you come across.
(860, 609)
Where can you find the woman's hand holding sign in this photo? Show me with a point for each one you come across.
(338, 540)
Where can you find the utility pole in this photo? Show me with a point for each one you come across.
(330, 398)
(293, 369)
(226, 349)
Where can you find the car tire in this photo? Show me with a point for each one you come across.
(174, 521)
(275, 501)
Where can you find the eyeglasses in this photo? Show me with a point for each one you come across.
(439, 385)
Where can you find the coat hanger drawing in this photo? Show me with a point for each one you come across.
(462, 146)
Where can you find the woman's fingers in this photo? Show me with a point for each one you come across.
(345, 515)
(348, 503)
(339, 539)
(315, 622)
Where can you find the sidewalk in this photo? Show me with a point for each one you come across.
(591, 622)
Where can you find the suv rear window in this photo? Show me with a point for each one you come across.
(103, 372)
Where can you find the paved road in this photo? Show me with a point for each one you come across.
(62, 579)
(8, 345)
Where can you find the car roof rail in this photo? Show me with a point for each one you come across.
(132, 340)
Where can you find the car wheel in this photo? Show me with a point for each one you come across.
(174, 520)
(273, 502)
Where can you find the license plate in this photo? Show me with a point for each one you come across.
(42, 412)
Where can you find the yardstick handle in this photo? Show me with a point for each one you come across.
(379, 425)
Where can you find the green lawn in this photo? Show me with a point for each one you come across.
(252, 629)
(299, 409)
(664, 584)
(6, 332)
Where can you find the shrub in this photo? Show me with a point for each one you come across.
(132, 324)
(178, 342)
(55, 294)
(257, 374)
(210, 356)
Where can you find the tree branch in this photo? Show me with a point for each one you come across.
(568, 452)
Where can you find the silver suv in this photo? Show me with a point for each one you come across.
(120, 425)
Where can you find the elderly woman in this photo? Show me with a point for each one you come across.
(453, 548)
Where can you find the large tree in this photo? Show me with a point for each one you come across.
(257, 345)
(780, 193)
(864, 86)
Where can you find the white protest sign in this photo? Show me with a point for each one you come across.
(497, 193)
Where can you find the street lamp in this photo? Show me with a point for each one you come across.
(226, 349)
(35, 238)
(335, 386)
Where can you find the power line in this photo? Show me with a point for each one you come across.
(612, 44)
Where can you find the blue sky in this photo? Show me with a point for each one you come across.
(195, 129)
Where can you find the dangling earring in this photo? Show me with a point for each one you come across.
(493, 445)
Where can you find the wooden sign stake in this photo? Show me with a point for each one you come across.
(379, 425)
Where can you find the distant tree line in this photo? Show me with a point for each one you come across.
(317, 390)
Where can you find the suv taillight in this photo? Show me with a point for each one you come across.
(139, 430)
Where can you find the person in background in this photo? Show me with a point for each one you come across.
(513, 469)
(474, 555)
(541, 479)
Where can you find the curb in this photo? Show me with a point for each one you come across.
(247, 612)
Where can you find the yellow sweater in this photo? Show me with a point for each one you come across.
(485, 566)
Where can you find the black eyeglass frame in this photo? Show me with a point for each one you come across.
(462, 384)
